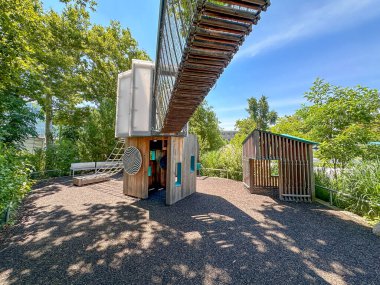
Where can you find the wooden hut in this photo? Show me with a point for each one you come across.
(168, 163)
(283, 162)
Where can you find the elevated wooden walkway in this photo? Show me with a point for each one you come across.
(216, 31)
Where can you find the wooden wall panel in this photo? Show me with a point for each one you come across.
(180, 150)
(137, 185)
(260, 176)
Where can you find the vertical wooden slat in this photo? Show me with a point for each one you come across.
(268, 167)
(280, 168)
(301, 168)
(293, 168)
(297, 190)
(286, 166)
(312, 184)
(304, 168)
(276, 146)
(270, 137)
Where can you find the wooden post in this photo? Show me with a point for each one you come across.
(311, 169)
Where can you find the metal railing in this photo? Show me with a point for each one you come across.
(47, 173)
(223, 173)
(176, 18)
(340, 193)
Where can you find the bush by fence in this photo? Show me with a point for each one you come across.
(356, 188)
(219, 162)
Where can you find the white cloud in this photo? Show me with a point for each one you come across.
(335, 15)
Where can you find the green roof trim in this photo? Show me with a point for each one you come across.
(298, 139)
(282, 135)
(374, 143)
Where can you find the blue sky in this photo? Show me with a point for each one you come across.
(294, 42)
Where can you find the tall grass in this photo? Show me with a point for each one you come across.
(359, 180)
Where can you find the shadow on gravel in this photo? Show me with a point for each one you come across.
(202, 239)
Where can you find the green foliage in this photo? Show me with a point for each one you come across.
(17, 121)
(14, 172)
(292, 125)
(60, 155)
(205, 125)
(359, 180)
(371, 152)
(341, 119)
(259, 118)
(56, 158)
(244, 127)
(18, 68)
(227, 158)
(60, 60)
(96, 137)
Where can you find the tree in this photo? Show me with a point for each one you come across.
(96, 137)
(291, 125)
(259, 112)
(20, 23)
(259, 118)
(205, 125)
(341, 119)
(17, 121)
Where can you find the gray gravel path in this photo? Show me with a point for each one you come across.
(220, 235)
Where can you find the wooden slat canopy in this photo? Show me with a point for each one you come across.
(215, 32)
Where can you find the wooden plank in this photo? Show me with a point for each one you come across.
(89, 179)
(137, 185)
(311, 173)
(228, 26)
(256, 138)
(217, 34)
(287, 153)
(215, 45)
(246, 4)
(297, 190)
(236, 14)
(180, 150)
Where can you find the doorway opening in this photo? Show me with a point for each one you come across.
(157, 169)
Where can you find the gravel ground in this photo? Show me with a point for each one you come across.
(220, 235)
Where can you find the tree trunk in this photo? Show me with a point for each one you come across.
(48, 120)
(335, 170)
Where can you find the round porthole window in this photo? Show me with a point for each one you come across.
(132, 160)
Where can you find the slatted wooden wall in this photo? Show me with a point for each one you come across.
(260, 175)
(295, 181)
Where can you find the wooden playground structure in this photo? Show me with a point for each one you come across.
(283, 162)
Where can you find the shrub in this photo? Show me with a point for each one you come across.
(54, 160)
(14, 183)
(227, 158)
(361, 181)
